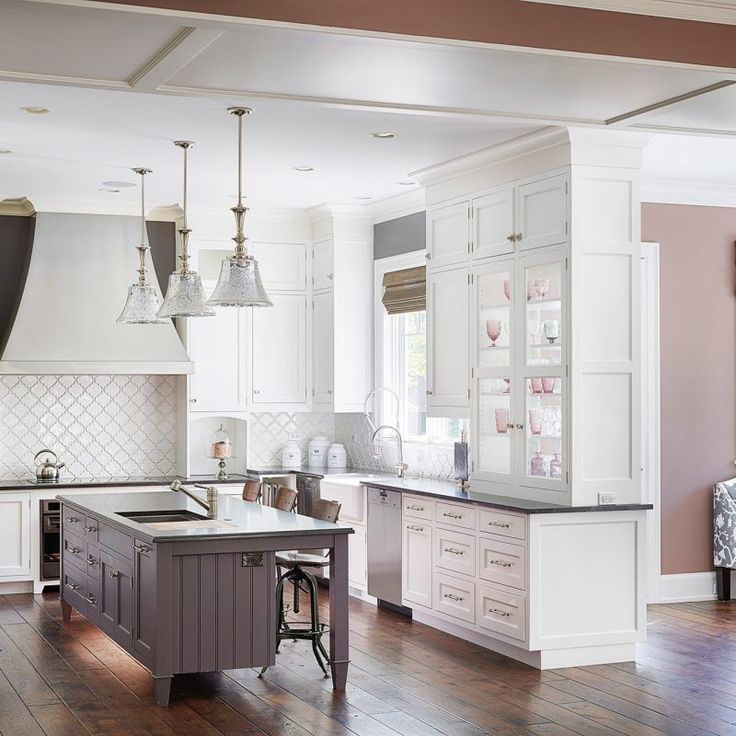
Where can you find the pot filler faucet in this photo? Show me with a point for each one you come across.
(402, 466)
(210, 505)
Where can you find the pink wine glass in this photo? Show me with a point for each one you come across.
(548, 385)
(535, 421)
(507, 289)
(502, 420)
(541, 287)
(536, 385)
(493, 330)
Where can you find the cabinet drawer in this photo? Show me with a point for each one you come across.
(502, 612)
(92, 599)
(455, 597)
(92, 560)
(502, 562)
(502, 523)
(455, 514)
(454, 551)
(91, 526)
(73, 522)
(417, 508)
(74, 587)
(75, 551)
(116, 541)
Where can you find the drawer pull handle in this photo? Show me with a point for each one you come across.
(415, 508)
(501, 563)
(91, 529)
(452, 597)
(415, 528)
(71, 519)
(114, 574)
(91, 561)
(72, 586)
(74, 550)
(499, 612)
(91, 599)
(450, 515)
(454, 551)
(142, 548)
(500, 524)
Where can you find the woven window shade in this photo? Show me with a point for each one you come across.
(405, 290)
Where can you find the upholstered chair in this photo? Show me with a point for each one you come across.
(724, 535)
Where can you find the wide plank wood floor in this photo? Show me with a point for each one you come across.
(405, 678)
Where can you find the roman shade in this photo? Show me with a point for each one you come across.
(405, 290)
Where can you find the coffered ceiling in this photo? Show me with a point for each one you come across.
(121, 84)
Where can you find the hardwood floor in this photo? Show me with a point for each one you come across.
(405, 679)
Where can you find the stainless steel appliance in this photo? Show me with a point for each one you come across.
(384, 546)
(50, 539)
(48, 471)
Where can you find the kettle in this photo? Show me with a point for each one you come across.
(48, 471)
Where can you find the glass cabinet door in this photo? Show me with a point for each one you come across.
(543, 458)
(543, 320)
(495, 430)
(493, 323)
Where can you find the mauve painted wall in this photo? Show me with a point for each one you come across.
(698, 368)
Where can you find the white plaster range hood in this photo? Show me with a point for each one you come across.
(77, 280)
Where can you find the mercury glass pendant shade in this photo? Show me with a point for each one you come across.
(142, 306)
(185, 297)
(239, 284)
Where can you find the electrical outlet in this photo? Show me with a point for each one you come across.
(606, 499)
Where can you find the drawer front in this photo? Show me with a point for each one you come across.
(92, 599)
(93, 561)
(455, 597)
(73, 522)
(455, 514)
(75, 551)
(417, 508)
(502, 523)
(74, 587)
(454, 551)
(502, 562)
(502, 612)
(116, 541)
(91, 528)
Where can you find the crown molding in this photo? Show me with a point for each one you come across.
(20, 206)
(673, 191)
(398, 205)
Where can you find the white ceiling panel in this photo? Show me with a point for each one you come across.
(74, 42)
(331, 65)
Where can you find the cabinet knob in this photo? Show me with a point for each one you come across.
(192, 401)
(329, 392)
(91, 529)
(518, 237)
(71, 519)
(114, 573)
(428, 256)
(511, 238)
(142, 548)
(72, 586)
(519, 426)
(330, 276)
(429, 393)
(91, 561)
(91, 600)
(498, 612)
(256, 391)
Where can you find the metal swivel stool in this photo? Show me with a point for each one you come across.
(295, 564)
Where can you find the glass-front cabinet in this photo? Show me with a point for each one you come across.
(519, 347)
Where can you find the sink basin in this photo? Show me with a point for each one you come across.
(157, 517)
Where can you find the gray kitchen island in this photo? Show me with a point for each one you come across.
(185, 593)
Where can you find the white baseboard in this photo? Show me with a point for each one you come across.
(689, 586)
(22, 586)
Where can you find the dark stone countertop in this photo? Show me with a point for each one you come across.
(106, 482)
(243, 519)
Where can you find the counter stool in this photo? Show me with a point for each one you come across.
(252, 491)
(285, 499)
(295, 563)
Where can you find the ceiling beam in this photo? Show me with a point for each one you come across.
(180, 51)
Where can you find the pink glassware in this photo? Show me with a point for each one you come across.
(536, 466)
(555, 466)
(502, 420)
(493, 330)
(536, 384)
(548, 385)
(541, 287)
(535, 421)
(507, 289)
(507, 390)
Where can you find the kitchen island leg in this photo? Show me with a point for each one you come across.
(162, 690)
(339, 620)
(66, 611)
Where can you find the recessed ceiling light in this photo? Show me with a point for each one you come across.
(303, 168)
(34, 109)
(383, 134)
(108, 189)
(118, 184)
(5, 150)
(406, 183)
(362, 196)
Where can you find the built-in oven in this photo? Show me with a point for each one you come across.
(50, 539)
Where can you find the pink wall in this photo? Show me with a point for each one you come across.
(698, 367)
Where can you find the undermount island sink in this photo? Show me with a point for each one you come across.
(158, 517)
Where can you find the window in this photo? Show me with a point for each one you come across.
(401, 364)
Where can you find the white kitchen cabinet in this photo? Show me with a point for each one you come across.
(283, 266)
(448, 369)
(416, 568)
(358, 558)
(323, 347)
(448, 241)
(279, 352)
(218, 347)
(322, 265)
(541, 208)
(15, 536)
(493, 223)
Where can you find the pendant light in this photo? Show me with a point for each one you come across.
(239, 284)
(143, 302)
(184, 295)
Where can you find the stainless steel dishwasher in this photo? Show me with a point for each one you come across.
(384, 545)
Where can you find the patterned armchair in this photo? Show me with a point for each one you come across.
(724, 535)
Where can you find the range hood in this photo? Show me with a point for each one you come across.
(77, 275)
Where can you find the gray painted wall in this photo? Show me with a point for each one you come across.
(402, 235)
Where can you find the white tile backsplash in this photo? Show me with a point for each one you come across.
(268, 432)
(97, 425)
